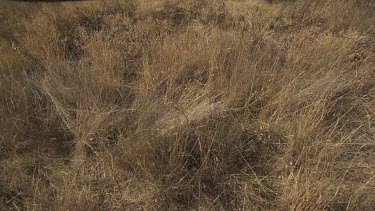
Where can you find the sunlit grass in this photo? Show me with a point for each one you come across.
(187, 105)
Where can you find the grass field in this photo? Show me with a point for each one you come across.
(187, 105)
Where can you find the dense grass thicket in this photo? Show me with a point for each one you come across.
(187, 105)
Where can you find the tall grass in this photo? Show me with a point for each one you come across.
(187, 105)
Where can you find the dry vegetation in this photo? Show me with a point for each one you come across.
(187, 105)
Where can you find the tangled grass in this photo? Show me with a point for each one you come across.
(187, 105)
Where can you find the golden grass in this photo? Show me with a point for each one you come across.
(187, 105)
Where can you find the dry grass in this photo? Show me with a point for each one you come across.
(187, 105)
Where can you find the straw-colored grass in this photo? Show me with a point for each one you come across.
(187, 105)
